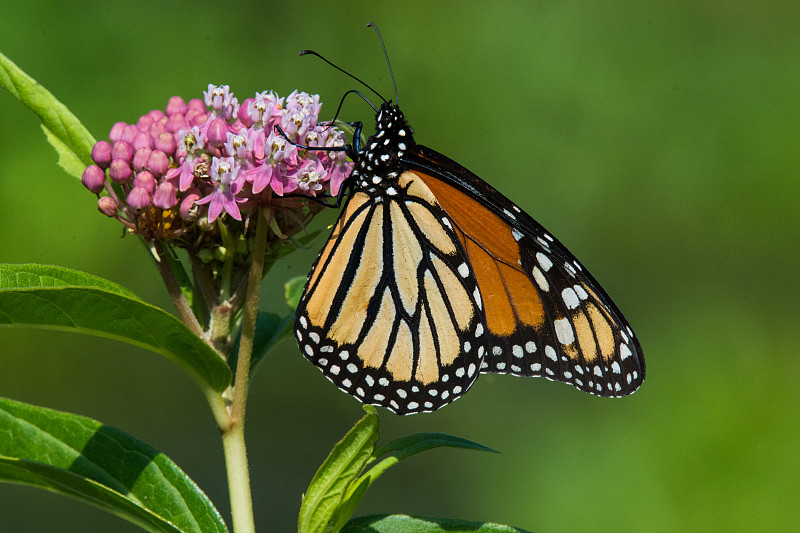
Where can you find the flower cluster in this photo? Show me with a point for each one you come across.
(174, 173)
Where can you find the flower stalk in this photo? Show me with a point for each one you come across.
(233, 435)
(185, 312)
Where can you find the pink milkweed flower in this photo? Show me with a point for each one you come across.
(266, 174)
(202, 160)
(240, 146)
(221, 101)
(191, 147)
(263, 112)
(278, 155)
(337, 175)
(310, 177)
(280, 150)
(224, 172)
(264, 108)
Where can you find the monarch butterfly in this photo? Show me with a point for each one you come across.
(430, 277)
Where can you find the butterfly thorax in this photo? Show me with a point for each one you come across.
(379, 163)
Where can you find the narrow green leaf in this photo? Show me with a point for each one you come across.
(293, 290)
(343, 464)
(419, 442)
(103, 466)
(58, 298)
(345, 510)
(422, 524)
(404, 447)
(59, 123)
(400, 449)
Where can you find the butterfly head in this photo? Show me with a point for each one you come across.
(381, 157)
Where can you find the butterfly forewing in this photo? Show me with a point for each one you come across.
(546, 315)
(391, 312)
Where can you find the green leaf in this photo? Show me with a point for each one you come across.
(67, 159)
(71, 139)
(400, 449)
(103, 466)
(58, 298)
(346, 509)
(422, 524)
(331, 482)
(293, 290)
(409, 445)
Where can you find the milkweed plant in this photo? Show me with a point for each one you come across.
(217, 194)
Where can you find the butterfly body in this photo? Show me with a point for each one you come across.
(431, 277)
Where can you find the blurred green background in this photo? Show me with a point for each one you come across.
(658, 140)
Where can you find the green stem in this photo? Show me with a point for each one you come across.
(233, 435)
(238, 479)
(178, 299)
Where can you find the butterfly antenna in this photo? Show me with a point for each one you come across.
(340, 69)
(341, 103)
(386, 54)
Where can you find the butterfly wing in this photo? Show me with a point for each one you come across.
(431, 276)
(391, 312)
(545, 314)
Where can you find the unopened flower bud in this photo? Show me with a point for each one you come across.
(165, 196)
(196, 103)
(176, 105)
(165, 143)
(196, 117)
(158, 163)
(146, 181)
(107, 206)
(217, 133)
(116, 132)
(177, 122)
(144, 122)
(221, 254)
(142, 140)
(244, 112)
(156, 129)
(101, 154)
(129, 133)
(242, 245)
(141, 159)
(122, 150)
(205, 255)
(157, 115)
(138, 198)
(188, 209)
(94, 178)
(119, 171)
